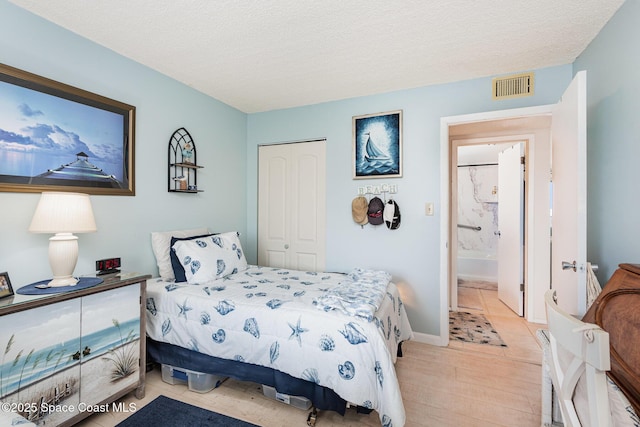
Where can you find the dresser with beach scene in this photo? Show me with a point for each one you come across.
(68, 355)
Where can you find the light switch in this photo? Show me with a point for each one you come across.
(428, 209)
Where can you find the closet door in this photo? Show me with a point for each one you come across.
(292, 205)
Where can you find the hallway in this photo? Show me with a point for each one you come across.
(515, 331)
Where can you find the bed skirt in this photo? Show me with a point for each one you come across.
(323, 398)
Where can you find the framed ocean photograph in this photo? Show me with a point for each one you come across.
(55, 137)
(377, 145)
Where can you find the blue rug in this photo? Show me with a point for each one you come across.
(163, 411)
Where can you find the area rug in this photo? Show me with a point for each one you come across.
(473, 328)
(163, 411)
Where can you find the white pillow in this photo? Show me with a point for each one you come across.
(211, 257)
(161, 242)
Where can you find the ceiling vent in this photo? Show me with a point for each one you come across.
(514, 86)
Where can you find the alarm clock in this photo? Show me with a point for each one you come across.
(108, 266)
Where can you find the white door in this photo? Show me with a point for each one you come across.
(569, 208)
(274, 199)
(292, 205)
(511, 228)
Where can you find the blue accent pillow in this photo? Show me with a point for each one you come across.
(176, 265)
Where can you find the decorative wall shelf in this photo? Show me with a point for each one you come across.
(183, 165)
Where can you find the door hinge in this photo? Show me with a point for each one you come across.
(521, 287)
(522, 160)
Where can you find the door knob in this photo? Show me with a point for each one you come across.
(568, 265)
(286, 246)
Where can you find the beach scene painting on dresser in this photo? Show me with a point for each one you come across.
(79, 350)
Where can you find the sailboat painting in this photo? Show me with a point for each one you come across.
(377, 145)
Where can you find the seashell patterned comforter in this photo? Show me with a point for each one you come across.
(267, 316)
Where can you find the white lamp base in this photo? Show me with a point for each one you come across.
(63, 256)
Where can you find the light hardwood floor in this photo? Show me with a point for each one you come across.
(460, 385)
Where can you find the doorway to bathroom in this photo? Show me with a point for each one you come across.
(488, 211)
(566, 158)
(533, 127)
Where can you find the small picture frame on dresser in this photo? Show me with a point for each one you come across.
(5, 286)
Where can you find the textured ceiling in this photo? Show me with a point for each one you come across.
(261, 55)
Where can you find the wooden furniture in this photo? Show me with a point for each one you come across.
(183, 165)
(65, 356)
(617, 311)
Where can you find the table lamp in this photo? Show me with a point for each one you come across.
(63, 214)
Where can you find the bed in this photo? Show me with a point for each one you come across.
(330, 337)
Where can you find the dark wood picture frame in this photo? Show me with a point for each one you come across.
(5, 286)
(56, 137)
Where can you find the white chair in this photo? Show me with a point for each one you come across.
(579, 358)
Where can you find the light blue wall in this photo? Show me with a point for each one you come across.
(162, 105)
(411, 253)
(612, 62)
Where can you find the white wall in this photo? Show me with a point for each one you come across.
(162, 105)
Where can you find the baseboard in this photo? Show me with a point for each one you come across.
(477, 278)
(430, 339)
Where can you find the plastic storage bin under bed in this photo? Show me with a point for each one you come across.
(297, 401)
(196, 381)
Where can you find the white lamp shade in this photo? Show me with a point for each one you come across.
(63, 214)
(60, 212)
